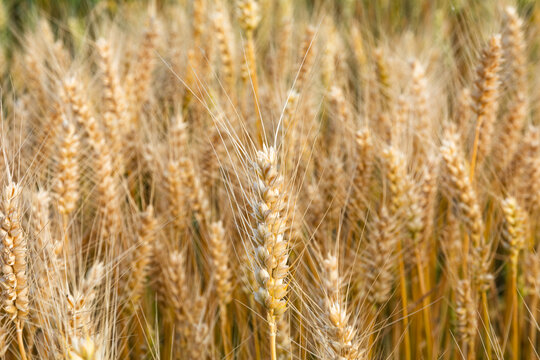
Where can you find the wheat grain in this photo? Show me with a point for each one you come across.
(66, 187)
(485, 95)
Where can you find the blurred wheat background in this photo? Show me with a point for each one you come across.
(269, 179)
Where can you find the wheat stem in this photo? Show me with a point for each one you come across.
(273, 331)
(20, 340)
(224, 330)
(255, 326)
(515, 326)
(533, 330)
(487, 325)
(404, 303)
(425, 305)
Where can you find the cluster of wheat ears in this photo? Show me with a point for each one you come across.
(269, 180)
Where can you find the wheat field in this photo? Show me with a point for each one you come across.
(260, 179)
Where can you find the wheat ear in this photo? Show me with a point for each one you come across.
(249, 17)
(175, 185)
(114, 116)
(451, 242)
(514, 234)
(485, 99)
(420, 109)
(406, 201)
(223, 35)
(343, 337)
(66, 182)
(513, 43)
(83, 348)
(378, 262)
(271, 249)
(220, 255)
(175, 287)
(79, 304)
(522, 175)
(142, 256)
(364, 170)
(466, 316)
(139, 80)
(106, 182)
(382, 75)
(66, 191)
(13, 251)
(198, 197)
(465, 199)
(198, 333)
(463, 111)
(286, 29)
(48, 247)
(460, 188)
(462, 192)
(290, 132)
(306, 58)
